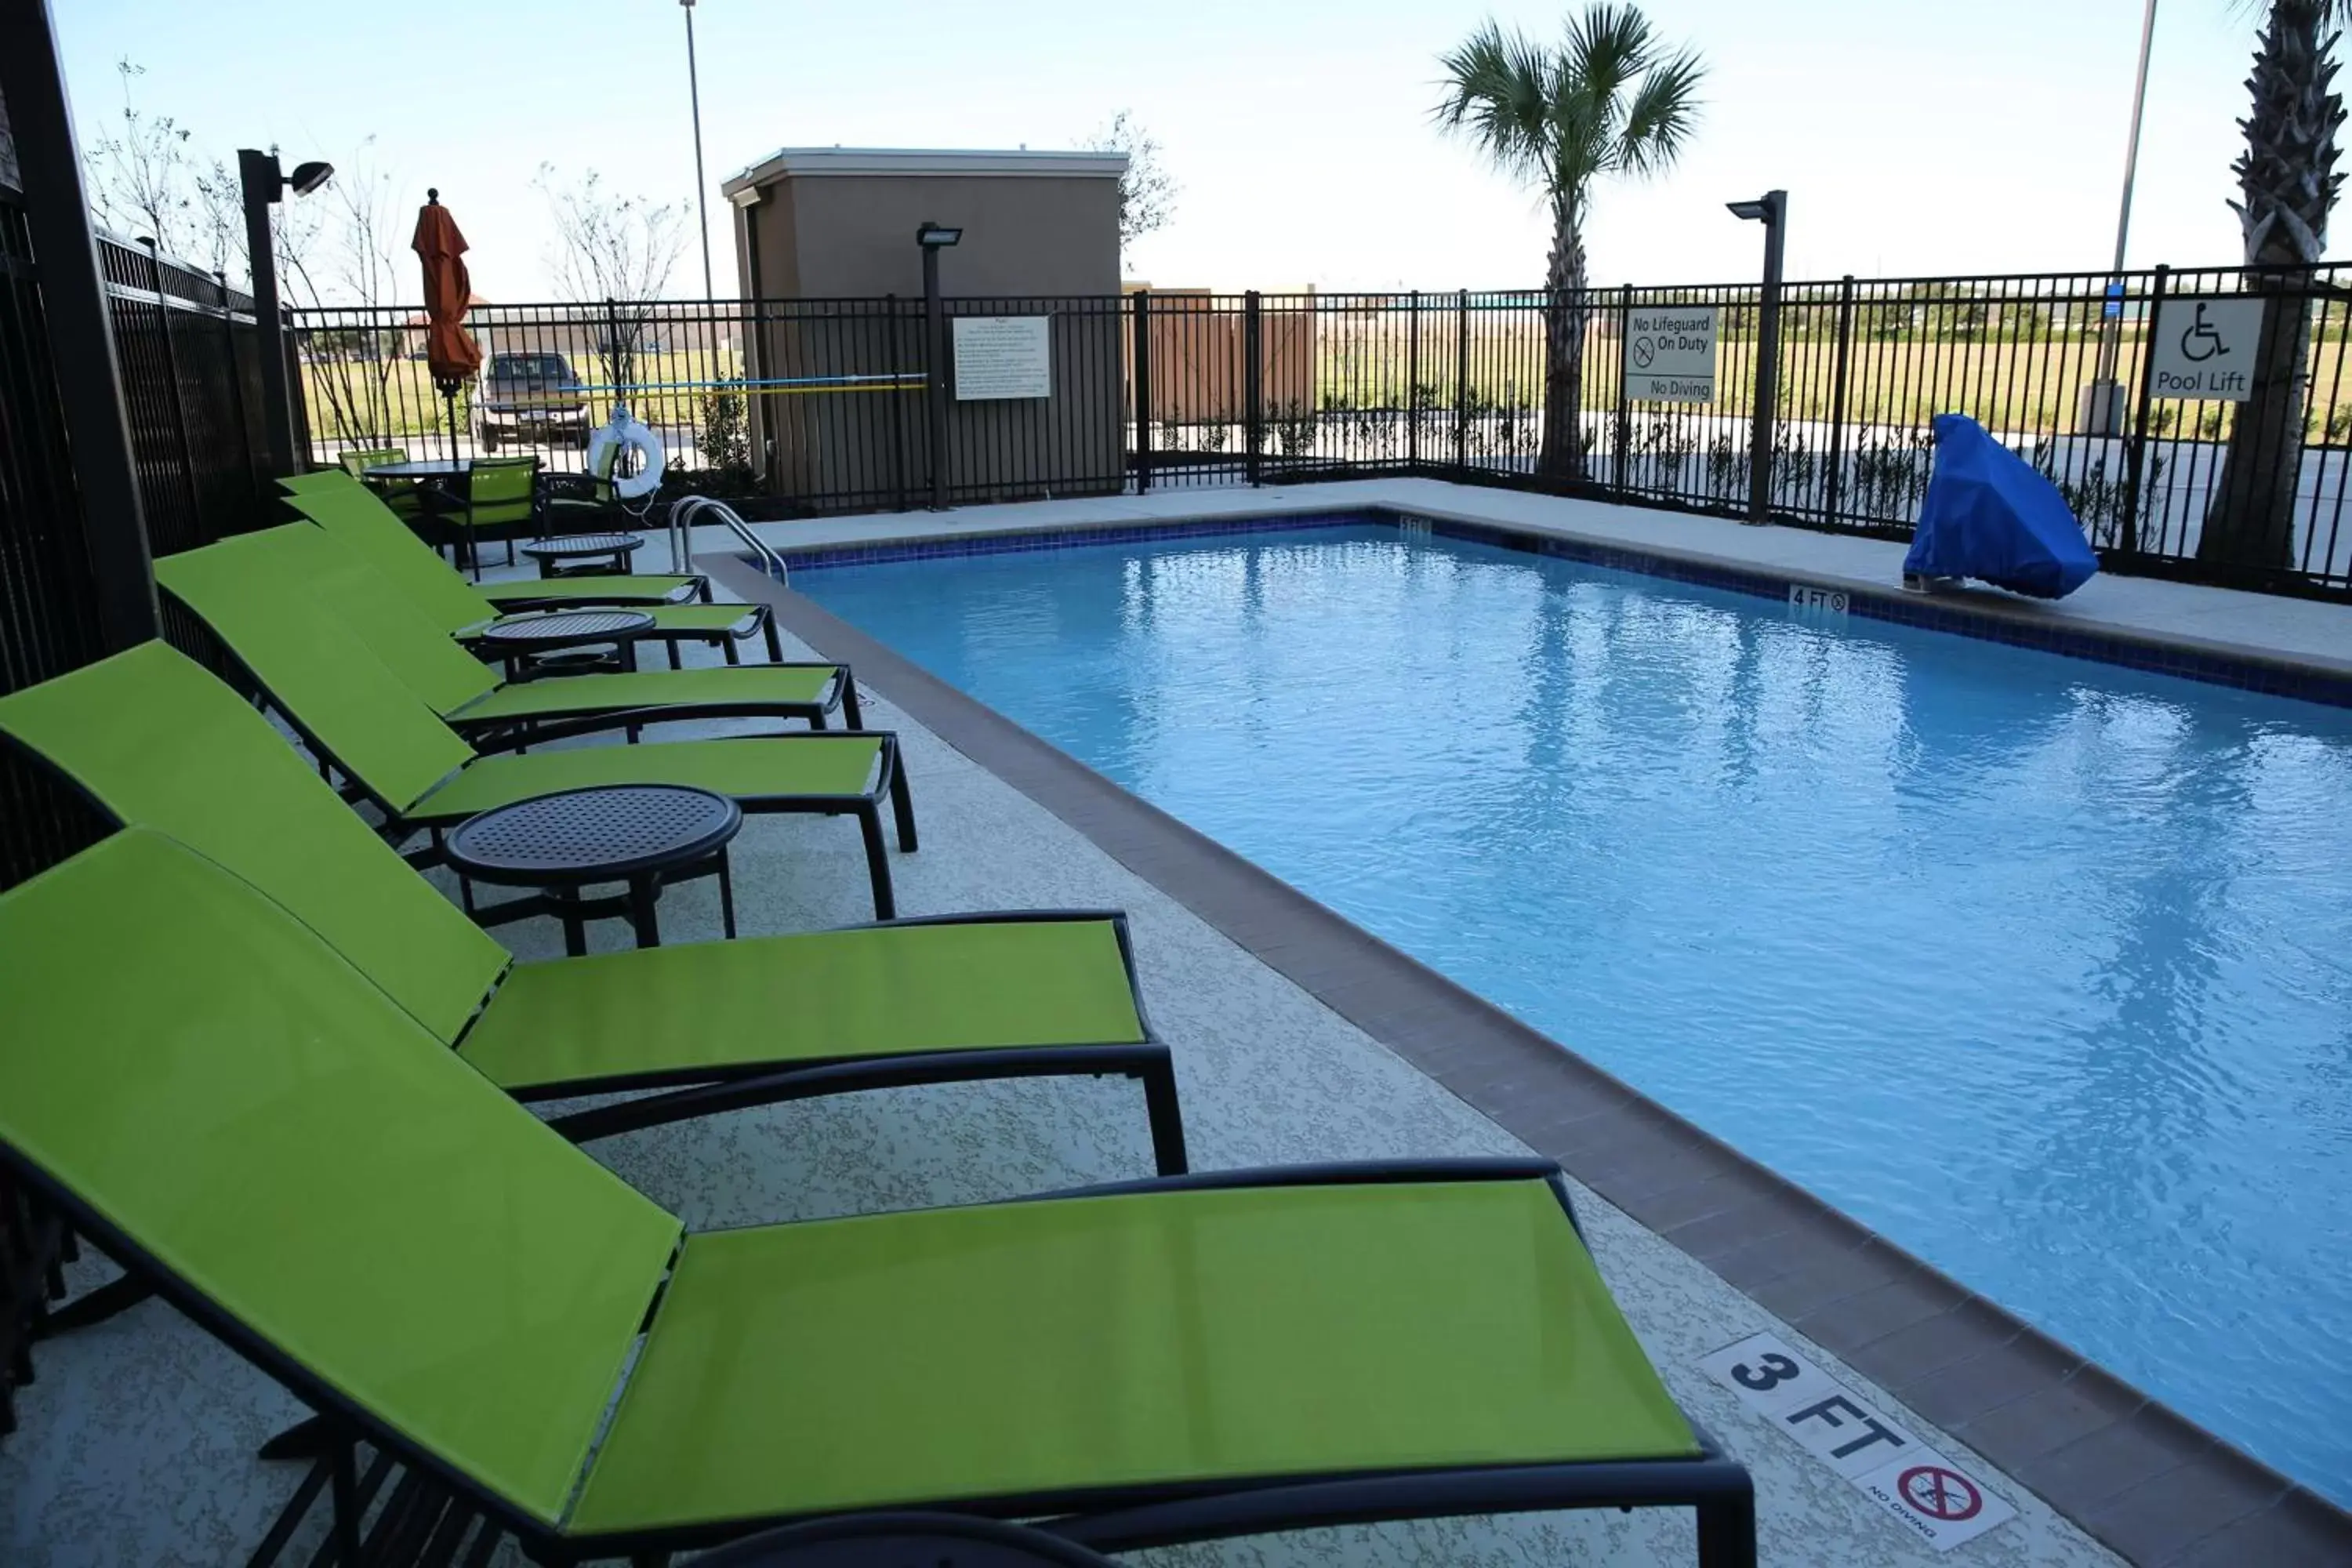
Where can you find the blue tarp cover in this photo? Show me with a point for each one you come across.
(1989, 515)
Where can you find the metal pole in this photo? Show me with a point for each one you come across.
(1768, 360)
(935, 389)
(258, 173)
(1462, 378)
(2129, 539)
(73, 298)
(1142, 358)
(1623, 468)
(1253, 386)
(701, 187)
(1412, 382)
(2103, 406)
(253, 487)
(1838, 392)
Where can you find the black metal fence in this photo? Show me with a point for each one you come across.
(823, 405)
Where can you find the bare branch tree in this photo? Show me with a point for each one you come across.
(1147, 192)
(338, 258)
(615, 254)
(141, 174)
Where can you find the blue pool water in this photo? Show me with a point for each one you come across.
(2041, 966)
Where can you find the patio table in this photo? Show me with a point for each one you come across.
(644, 836)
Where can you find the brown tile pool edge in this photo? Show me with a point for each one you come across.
(2152, 1485)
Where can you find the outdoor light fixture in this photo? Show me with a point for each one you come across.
(1771, 210)
(264, 184)
(934, 236)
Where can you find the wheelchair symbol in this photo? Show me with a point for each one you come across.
(2200, 342)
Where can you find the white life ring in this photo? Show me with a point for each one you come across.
(633, 435)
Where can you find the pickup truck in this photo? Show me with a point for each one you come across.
(531, 397)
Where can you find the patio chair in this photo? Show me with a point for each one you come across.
(444, 1280)
(583, 503)
(307, 565)
(157, 743)
(499, 501)
(399, 496)
(459, 608)
(358, 717)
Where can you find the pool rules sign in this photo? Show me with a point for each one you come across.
(1670, 353)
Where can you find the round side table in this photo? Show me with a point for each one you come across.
(528, 642)
(583, 555)
(645, 836)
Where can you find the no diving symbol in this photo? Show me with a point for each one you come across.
(1946, 1496)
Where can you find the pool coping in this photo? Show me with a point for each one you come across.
(2146, 1483)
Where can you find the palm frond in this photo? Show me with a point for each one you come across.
(1607, 46)
(1497, 94)
(1661, 116)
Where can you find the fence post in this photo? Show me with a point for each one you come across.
(1837, 393)
(81, 342)
(1252, 384)
(1412, 382)
(179, 402)
(1768, 362)
(897, 413)
(1462, 379)
(1624, 422)
(935, 378)
(1142, 361)
(2127, 539)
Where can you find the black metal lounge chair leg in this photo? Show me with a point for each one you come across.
(297, 1506)
(775, 647)
(727, 649)
(344, 1465)
(849, 708)
(1727, 1530)
(1167, 1118)
(306, 1439)
(878, 862)
(902, 804)
(92, 1306)
(726, 896)
(674, 663)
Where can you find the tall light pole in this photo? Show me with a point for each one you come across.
(2102, 412)
(694, 96)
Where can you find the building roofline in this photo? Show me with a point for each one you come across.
(805, 162)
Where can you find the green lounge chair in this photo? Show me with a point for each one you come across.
(307, 566)
(460, 609)
(155, 743)
(358, 717)
(443, 1279)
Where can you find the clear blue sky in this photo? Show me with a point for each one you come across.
(1913, 137)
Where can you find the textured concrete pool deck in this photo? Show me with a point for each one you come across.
(137, 1441)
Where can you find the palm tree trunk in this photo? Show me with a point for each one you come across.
(1561, 456)
(2287, 175)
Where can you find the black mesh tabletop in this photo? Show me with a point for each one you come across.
(593, 835)
(566, 626)
(581, 544)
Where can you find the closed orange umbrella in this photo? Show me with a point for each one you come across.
(450, 351)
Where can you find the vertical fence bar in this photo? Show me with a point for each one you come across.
(1141, 359)
(179, 397)
(1412, 381)
(1461, 380)
(898, 410)
(2127, 537)
(1623, 435)
(1253, 386)
(1838, 376)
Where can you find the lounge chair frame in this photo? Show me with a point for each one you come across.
(1110, 1519)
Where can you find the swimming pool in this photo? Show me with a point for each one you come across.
(2041, 966)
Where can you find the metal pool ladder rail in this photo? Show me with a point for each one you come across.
(681, 524)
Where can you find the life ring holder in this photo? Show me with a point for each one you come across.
(631, 435)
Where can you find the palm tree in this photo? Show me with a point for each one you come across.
(1610, 100)
(2287, 177)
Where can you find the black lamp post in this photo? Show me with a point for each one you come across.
(264, 184)
(933, 238)
(1771, 210)
(694, 96)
